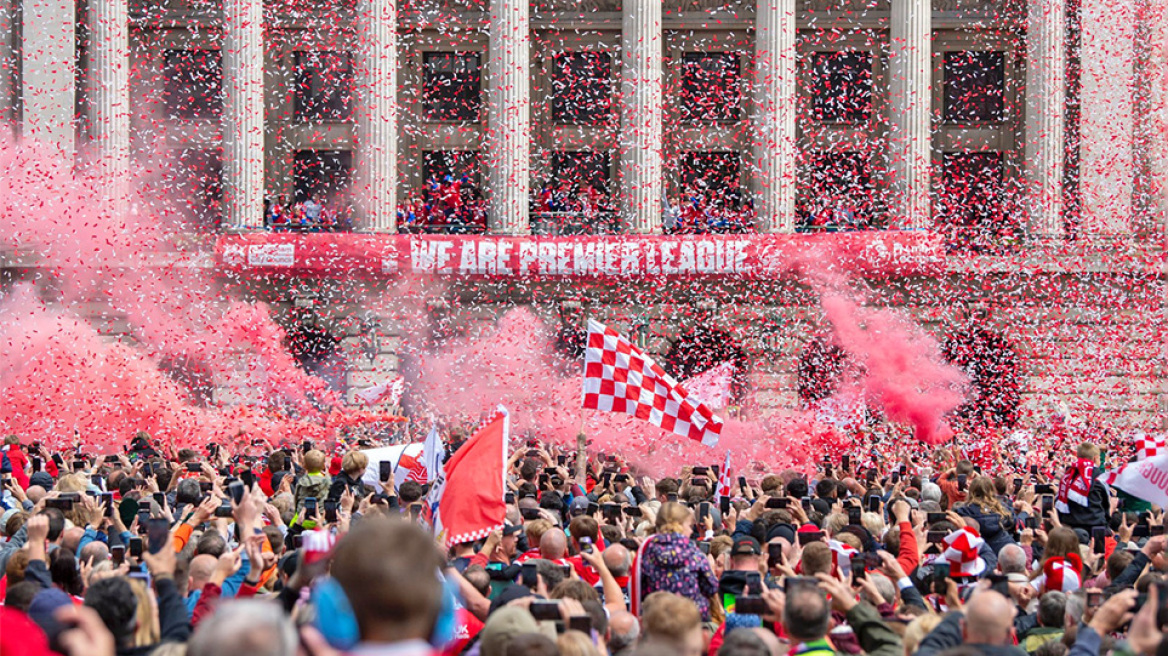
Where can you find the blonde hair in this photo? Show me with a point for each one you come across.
(354, 463)
(314, 461)
(1088, 451)
(915, 632)
(147, 632)
(11, 438)
(576, 643)
(72, 483)
(672, 517)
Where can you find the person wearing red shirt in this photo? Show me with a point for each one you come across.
(19, 461)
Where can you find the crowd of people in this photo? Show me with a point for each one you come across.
(446, 205)
(309, 215)
(260, 549)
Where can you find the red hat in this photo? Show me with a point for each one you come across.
(335, 466)
(961, 552)
(1062, 574)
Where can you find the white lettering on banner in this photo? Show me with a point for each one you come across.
(652, 265)
(430, 256)
(584, 259)
(668, 266)
(547, 258)
(503, 257)
(563, 253)
(527, 256)
(467, 262)
(274, 255)
(630, 263)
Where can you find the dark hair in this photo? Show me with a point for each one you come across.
(212, 544)
(551, 500)
(797, 488)
(806, 614)
(64, 572)
(115, 603)
(528, 470)
(19, 595)
(550, 572)
(665, 487)
(825, 488)
(277, 461)
(56, 523)
(409, 492)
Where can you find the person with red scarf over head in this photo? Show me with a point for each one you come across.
(1083, 501)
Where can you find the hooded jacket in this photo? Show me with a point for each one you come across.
(672, 562)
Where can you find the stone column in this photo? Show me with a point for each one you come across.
(48, 72)
(910, 106)
(1046, 102)
(376, 135)
(509, 118)
(7, 67)
(774, 87)
(243, 115)
(109, 83)
(1107, 123)
(640, 141)
(1157, 120)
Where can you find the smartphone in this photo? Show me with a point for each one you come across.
(750, 605)
(509, 498)
(859, 566)
(330, 511)
(95, 479)
(894, 477)
(808, 537)
(827, 472)
(206, 486)
(59, 460)
(107, 499)
(700, 471)
(1099, 539)
(1094, 599)
(874, 503)
(529, 514)
(1044, 489)
(935, 537)
(854, 515)
(791, 583)
(724, 505)
(544, 479)
(306, 446)
(703, 511)
(59, 503)
(1017, 483)
(143, 518)
(297, 541)
(806, 503)
(235, 491)
(934, 517)
(194, 467)
(742, 483)
(846, 462)
(774, 553)
(777, 502)
(135, 547)
(1034, 470)
(561, 460)
(940, 575)
(157, 534)
(36, 463)
(160, 499)
(586, 545)
(704, 547)
(753, 583)
(613, 511)
(529, 576)
(1154, 531)
(962, 480)
(1047, 504)
(118, 554)
(310, 505)
(633, 511)
(1138, 531)
(582, 623)
(248, 478)
(545, 610)
(78, 465)
(224, 510)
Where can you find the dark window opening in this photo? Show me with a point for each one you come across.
(451, 200)
(711, 87)
(712, 199)
(975, 86)
(198, 186)
(194, 84)
(582, 88)
(324, 86)
(841, 86)
(972, 206)
(322, 198)
(451, 86)
(838, 194)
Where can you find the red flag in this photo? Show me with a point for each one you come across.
(472, 501)
(618, 377)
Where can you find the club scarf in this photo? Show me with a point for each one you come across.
(1076, 485)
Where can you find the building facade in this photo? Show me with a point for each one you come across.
(1026, 135)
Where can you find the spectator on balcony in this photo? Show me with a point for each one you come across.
(312, 211)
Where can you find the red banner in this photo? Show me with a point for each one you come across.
(875, 253)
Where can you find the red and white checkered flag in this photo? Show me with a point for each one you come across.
(1147, 446)
(724, 479)
(618, 377)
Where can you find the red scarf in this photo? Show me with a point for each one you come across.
(1076, 485)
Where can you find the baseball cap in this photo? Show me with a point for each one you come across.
(579, 506)
(511, 529)
(745, 545)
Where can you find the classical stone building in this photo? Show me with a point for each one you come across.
(1010, 154)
